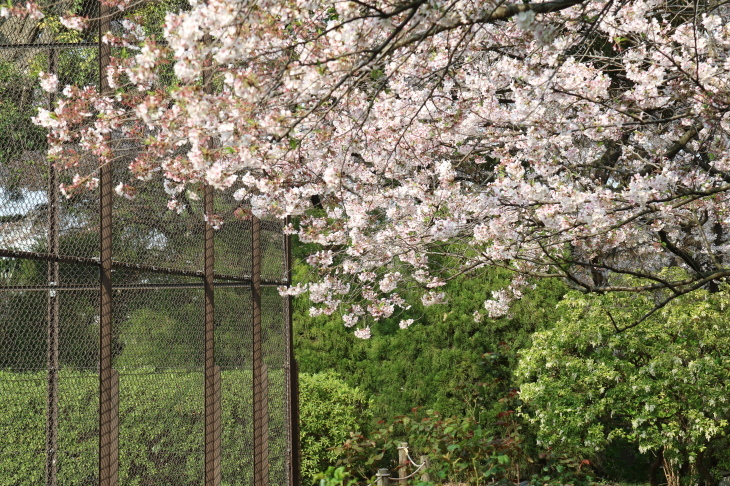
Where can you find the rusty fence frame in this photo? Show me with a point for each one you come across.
(108, 452)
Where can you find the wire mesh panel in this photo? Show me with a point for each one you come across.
(144, 233)
(138, 346)
(233, 238)
(23, 314)
(23, 355)
(22, 428)
(234, 355)
(272, 249)
(76, 457)
(160, 366)
(276, 359)
(161, 427)
(23, 167)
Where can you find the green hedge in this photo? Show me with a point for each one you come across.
(161, 426)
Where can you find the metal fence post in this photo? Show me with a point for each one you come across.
(292, 371)
(295, 466)
(108, 379)
(212, 372)
(52, 317)
(260, 403)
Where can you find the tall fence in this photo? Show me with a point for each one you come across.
(138, 346)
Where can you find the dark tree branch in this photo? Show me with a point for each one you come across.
(699, 284)
(686, 257)
(681, 143)
(502, 12)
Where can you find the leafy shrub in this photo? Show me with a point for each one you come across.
(459, 449)
(596, 378)
(335, 476)
(442, 353)
(330, 410)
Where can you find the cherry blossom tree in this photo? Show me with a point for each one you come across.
(418, 140)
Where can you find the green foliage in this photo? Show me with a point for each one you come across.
(168, 341)
(335, 476)
(661, 385)
(564, 470)
(18, 134)
(439, 360)
(23, 320)
(151, 15)
(460, 449)
(161, 422)
(329, 410)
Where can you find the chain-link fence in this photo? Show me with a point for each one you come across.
(137, 346)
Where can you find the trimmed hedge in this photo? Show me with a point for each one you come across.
(161, 419)
(161, 426)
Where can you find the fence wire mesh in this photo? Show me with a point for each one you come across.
(130, 350)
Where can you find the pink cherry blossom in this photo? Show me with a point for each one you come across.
(580, 140)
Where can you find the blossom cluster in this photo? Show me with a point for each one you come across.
(421, 141)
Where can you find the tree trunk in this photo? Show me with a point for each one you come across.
(654, 468)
